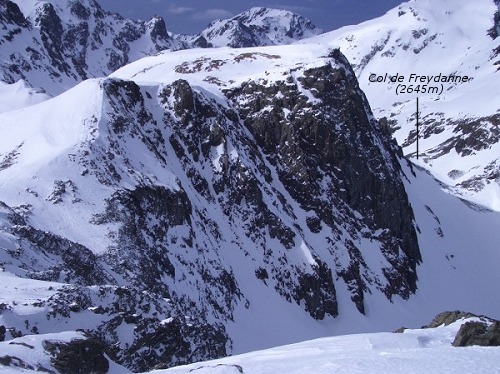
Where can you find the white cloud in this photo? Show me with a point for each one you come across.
(173, 9)
(293, 8)
(212, 14)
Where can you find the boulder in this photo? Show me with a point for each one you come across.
(478, 333)
(448, 318)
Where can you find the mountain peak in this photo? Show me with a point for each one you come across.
(258, 26)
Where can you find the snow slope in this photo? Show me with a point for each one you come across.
(158, 212)
(414, 351)
(459, 127)
(219, 69)
(18, 95)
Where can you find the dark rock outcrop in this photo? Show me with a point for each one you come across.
(16, 362)
(80, 356)
(332, 139)
(447, 318)
(478, 333)
(494, 32)
(78, 264)
(483, 332)
(11, 14)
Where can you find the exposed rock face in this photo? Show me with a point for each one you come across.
(478, 333)
(494, 32)
(447, 318)
(482, 332)
(78, 356)
(11, 14)
(15, 362)
(289, 185)
(299, 139)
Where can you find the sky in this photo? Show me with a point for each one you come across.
(192, 16)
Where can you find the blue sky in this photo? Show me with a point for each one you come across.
(192, 16)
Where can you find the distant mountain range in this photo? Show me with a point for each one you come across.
(55, 44)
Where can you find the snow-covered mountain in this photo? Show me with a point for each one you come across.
(256, 27)
(185, 202)
(53, 45)
(168, 179)
(205, 202)
(459, 122)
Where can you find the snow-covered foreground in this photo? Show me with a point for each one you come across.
(242, 248)
(414, 351)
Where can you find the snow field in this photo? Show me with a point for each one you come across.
(414, 351)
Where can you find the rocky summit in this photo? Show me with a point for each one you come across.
(285, 177)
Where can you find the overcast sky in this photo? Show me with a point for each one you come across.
(192, 16)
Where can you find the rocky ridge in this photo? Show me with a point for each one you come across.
(54, 45)
(196, 189)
